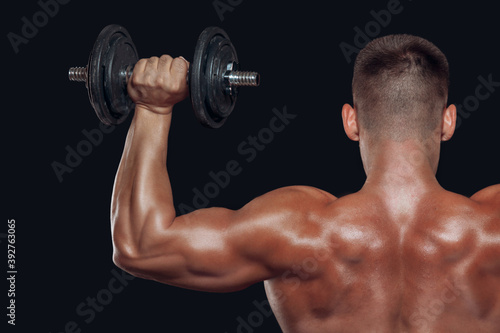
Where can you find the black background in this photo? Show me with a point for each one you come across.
(63, 235)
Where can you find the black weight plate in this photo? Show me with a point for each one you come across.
(107, 92)
(122, 53)
(220, 53)
(205, 95)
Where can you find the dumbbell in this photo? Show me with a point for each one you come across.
(213, 77)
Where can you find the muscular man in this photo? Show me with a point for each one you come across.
(400, 255)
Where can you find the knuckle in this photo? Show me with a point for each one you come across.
(165, 58)
(160, 81)
(179, 64)
(178, 87)
(174, 87)
(135, 80)
(141, 62)
(149, 80)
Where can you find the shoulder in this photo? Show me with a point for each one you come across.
(288, 203)
(302, 194)
(489, 201)
(488, 195)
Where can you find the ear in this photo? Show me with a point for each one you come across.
(350, 121)
(449, 122)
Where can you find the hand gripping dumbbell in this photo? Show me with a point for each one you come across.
(213, 76)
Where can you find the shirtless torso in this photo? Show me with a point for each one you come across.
(434, 267)
(400, 255)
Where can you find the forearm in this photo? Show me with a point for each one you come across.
(142, 196)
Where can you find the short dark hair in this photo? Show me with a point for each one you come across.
(400, 86)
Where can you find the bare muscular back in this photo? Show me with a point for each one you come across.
(388, 265)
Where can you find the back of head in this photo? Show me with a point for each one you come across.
(400, 87)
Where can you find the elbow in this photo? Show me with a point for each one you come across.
(134, 242)
(120, 261)
(125, 264)
(133, 265)
(126, 255)
(133, 254)
(125, 259)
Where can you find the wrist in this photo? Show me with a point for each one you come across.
(150, 130)
(144, 117)
(144, 111)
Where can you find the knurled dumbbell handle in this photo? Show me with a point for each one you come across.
(234, 78)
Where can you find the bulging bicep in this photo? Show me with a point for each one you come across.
(222, 250)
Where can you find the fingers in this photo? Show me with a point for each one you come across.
(187, 62)
(152, 64)
(159, 83)
(164, 63)
(179, 65)
(175, 67)
(140, 66)
(146, 71)
(148, 64)
(178, 70)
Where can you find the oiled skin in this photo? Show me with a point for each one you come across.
(436, 270)
(400, 255)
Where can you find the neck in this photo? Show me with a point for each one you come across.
(409, 166)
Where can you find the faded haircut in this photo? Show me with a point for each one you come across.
(400, 87)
